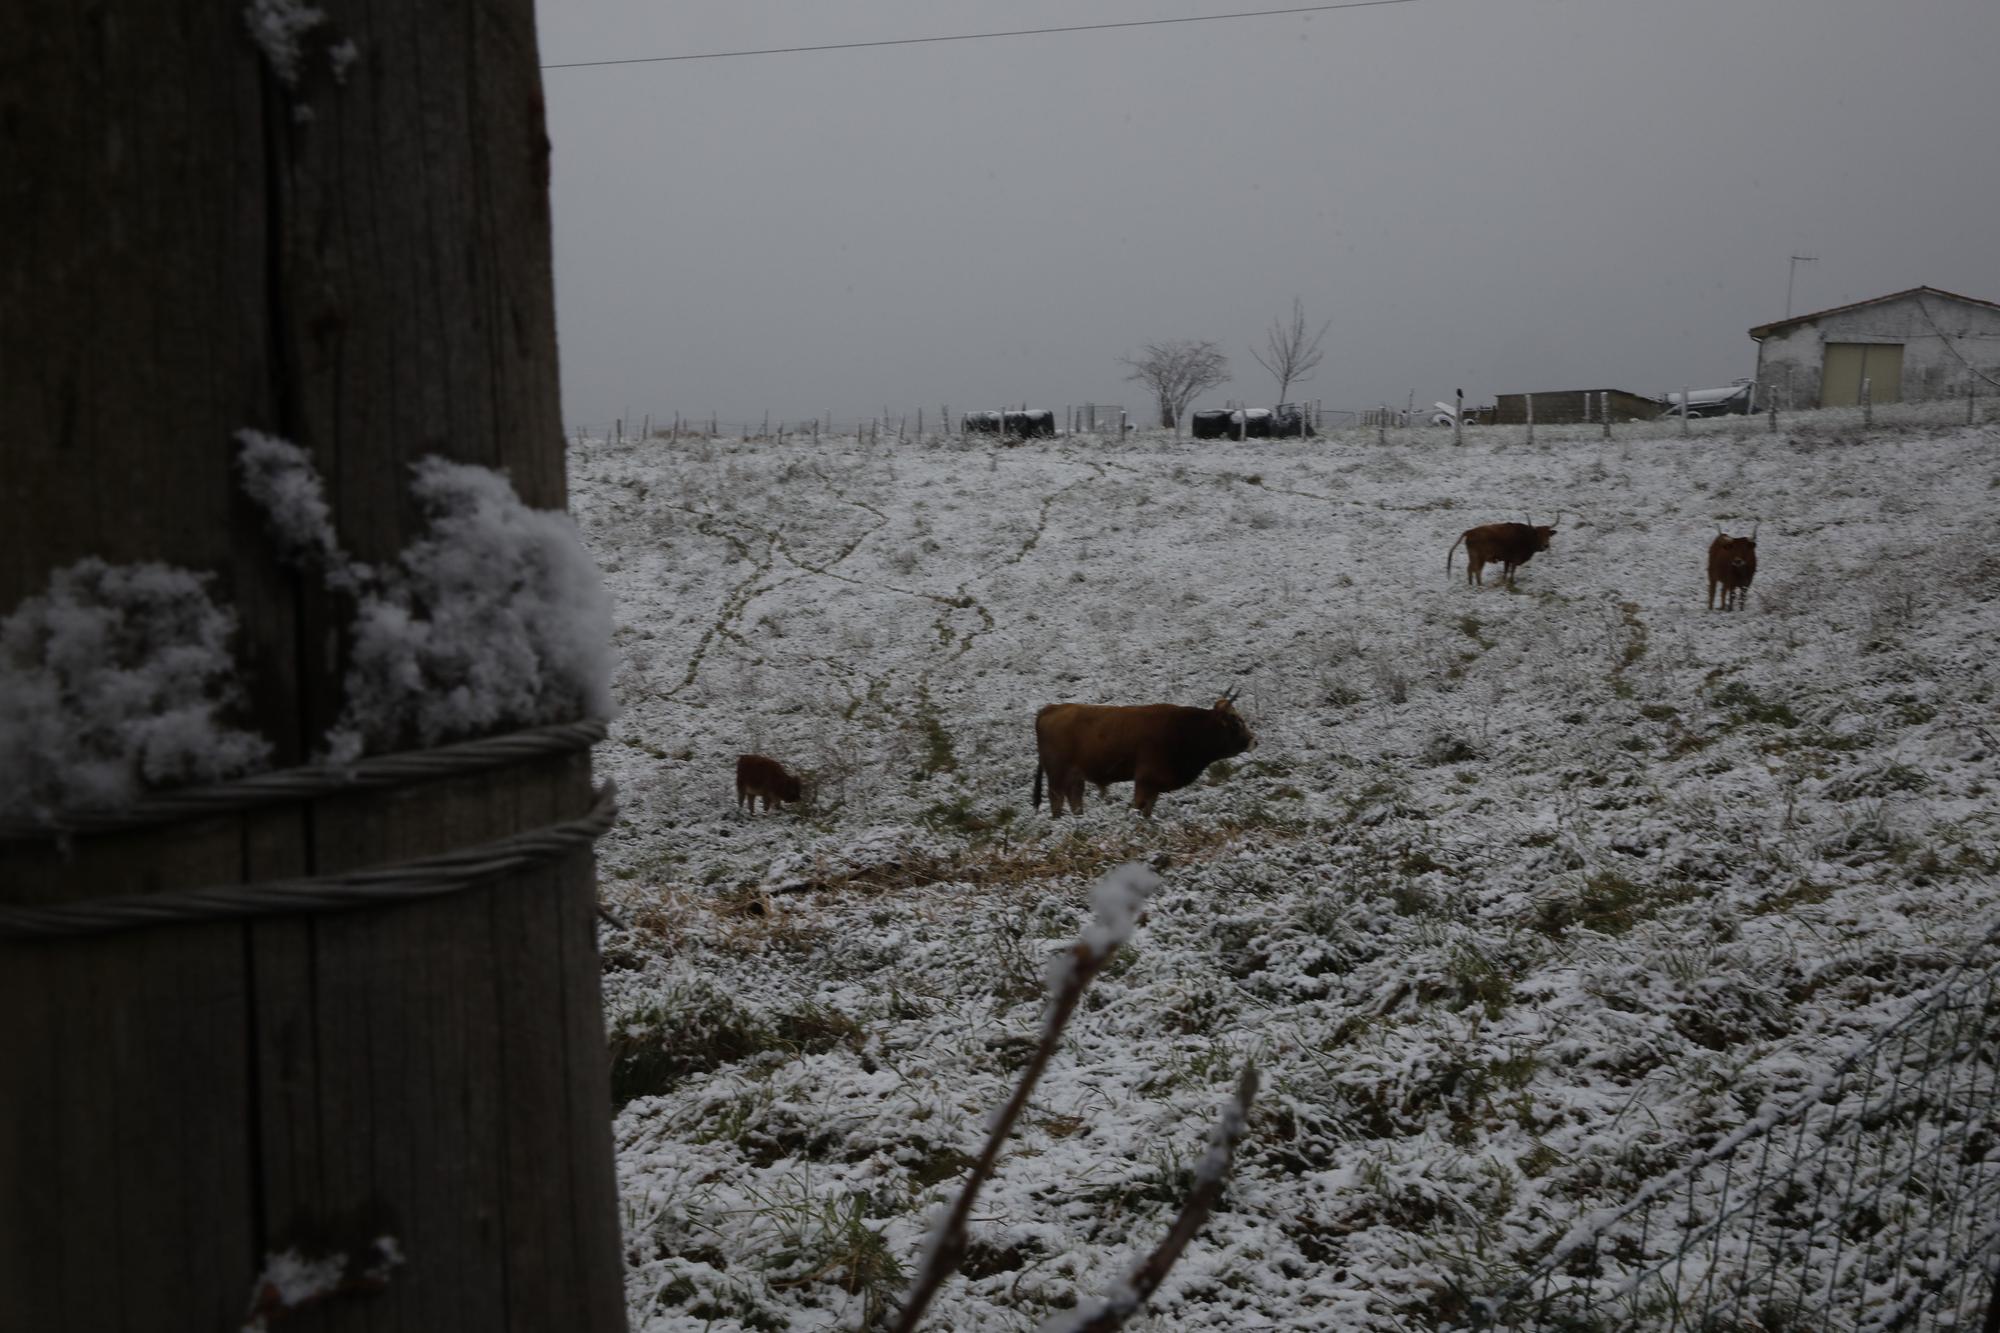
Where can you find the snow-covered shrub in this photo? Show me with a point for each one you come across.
(114, 680)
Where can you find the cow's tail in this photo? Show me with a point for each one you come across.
(1038, 787)
(1452, 552)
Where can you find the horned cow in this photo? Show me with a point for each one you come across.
(758, 775)
(1732, 563)
(1156, 747)
(1509, 545)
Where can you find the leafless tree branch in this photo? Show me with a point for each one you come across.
(1175, 372)
(1211, 1176)
(1117, 899)
(1289, 355)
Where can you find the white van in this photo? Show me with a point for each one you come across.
(1739, 399)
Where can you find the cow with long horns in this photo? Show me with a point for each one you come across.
(1509, 545)
(1732, 563)
(1155, 747)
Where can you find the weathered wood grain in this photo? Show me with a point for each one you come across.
(189, 248)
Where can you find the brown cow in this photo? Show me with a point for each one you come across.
(1509, 545)
(758, 776)
(1155, 747)
(1732, 563)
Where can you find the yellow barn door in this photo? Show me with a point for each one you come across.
(1847, 364)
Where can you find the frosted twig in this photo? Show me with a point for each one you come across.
(1211, 1175)
(1117, 899)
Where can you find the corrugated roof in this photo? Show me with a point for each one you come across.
(1763, 331)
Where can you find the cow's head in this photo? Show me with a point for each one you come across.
(1237, 729)
(1739, 553)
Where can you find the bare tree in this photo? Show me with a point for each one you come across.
(1288, 353)
(1175, 372)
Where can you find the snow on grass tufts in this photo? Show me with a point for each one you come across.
(1523, 900)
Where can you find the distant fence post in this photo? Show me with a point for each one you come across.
(1771, 406)
(1687, 409)
(1528, 409)
(1867, 401)
(1458, 418)
(1604, 410)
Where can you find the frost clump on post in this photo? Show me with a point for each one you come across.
(292, 1280)
(496, 616)
(278, 27)
(279, 476)
(115, 680)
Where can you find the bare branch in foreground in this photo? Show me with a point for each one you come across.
(1211, 1176)
(1117, 899)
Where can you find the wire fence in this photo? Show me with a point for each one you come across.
(1870, 1203)
(1335, 424)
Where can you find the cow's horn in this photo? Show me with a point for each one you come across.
(1755, 524)
(1558, 519)
(1229, 697)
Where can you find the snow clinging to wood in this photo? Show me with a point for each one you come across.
(279, 28)
(114, 680)
(495, 616)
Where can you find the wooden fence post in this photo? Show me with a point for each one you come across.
(1867, 401)
(360, 264)
(1687, 408)
(1528, 402)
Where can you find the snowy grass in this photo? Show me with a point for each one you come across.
(1521, 898)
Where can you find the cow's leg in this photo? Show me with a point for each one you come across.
(1711, 594)
(1144, 794)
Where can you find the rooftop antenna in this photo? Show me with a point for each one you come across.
(1792, 270)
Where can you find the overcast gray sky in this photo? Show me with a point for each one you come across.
(1499, 195)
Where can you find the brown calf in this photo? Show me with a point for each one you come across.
(1732, 563)
(758, 776)
(1155, 747)
(1509, 545)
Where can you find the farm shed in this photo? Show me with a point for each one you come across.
(1575, 405)
(1921, 343)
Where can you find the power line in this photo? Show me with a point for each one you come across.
(978, 36)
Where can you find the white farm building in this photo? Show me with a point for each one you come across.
(1922, 343)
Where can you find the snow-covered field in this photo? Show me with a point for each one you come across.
(1521, 898)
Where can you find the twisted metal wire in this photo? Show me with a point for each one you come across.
(427, 877)
(312, 780)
